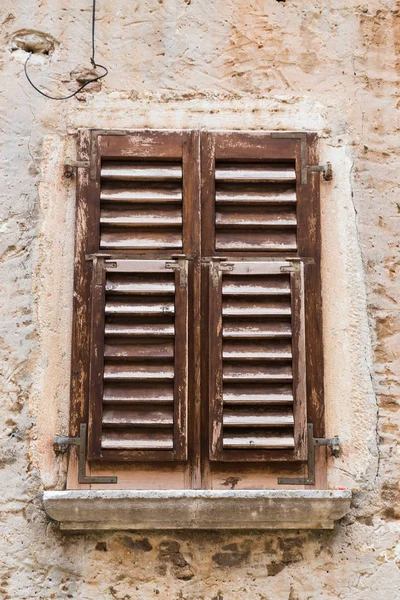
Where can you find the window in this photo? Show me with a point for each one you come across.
(197, 337)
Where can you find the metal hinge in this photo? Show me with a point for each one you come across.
(179, 264)
(80, 441)
(325, 169)
(70, 166)
(334, 447)
(305, 168)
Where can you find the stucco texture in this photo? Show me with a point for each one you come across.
(331, 67)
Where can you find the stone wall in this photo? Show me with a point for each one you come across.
(238, 64)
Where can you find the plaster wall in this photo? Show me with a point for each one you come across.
(256, 64)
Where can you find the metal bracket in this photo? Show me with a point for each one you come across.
(334, 446)
(305, 168)
(80, 441)
(179, 264)
(326, 170)
(96, 256)
(70, 166)
(219, 264)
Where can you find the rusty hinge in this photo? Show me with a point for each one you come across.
(334, 447)
(80, 441)
(70, 166)
(305, 168)
(180, 263)
(326, 170)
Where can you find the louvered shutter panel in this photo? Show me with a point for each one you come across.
(133, 237)
(261, 237)
(141, 200)
(255, 206)
(257, 375)
(138, 372)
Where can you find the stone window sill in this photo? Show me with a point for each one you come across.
(82, 510)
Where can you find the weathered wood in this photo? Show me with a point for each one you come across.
(239, 329)
(141, 171)
(141, 144)
(140, 238)
(255, 357)
(309, 242)
(138, 393)
(145, 207)
(121, 193)
(137, 417)
(255, 173)
(151, 439)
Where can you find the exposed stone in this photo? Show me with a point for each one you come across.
(33, 41)
(101, 547)
(137, 544)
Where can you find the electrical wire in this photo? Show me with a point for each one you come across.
(92, 60)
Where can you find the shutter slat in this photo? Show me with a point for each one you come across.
(139, 350)
(135, 330)
(254, 173)
(136, 372)
(142, 308)
(256, 240)
(250, 418)
(260, 349)
(238, 307)
(256, 285)
(141, 171)
(125, 193)
(138, 284)
(139, 218)
(244, 196)
(138, 393)
(137, 440)
(262, 372)
(138, 418)
(234, 328)
(254, 394)
(141, 239)
(249, 218)
(257, 441)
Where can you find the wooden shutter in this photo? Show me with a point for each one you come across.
(134, 239)
(261, 239)
(257, 368)
(138, 371)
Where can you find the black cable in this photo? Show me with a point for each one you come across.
(92, 60)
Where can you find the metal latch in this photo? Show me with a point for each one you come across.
(80, 441)
(70, 166)
(179, 264)
(334, 447)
